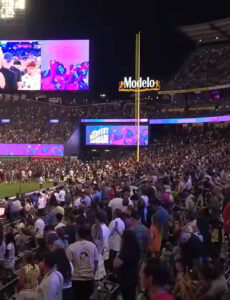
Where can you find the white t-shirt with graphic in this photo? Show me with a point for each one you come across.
(83, 255)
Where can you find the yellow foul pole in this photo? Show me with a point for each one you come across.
(137, 93)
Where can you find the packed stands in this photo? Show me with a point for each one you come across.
(24, 113)
(179, 190)
(207, 66)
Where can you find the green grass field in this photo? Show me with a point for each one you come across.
(11, 189)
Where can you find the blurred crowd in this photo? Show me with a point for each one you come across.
(157, 229)
(30, 121)
(207, 66)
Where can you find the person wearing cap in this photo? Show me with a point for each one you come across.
(7, 78)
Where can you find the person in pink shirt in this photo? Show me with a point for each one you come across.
(154, 278)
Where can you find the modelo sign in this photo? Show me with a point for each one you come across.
(129, 85)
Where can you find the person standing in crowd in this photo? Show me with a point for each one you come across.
(62, 195)
(65, 267)
(154, 278)
(126, 265)
(55, 209)
(140, 231)
(62, 241)
(155, 237)
(84, 256)
(192, 249)
(16, 207)
(28, 278)
(71, 228)
(100, 221)
(42, 202)
(9, 261)
(97, 236)
(162, 218)
(41, 182)
(119, 203)
(2, 246)
(52, 283)
(116, 227)
(59, 218)
(213, 284)
(39, 226)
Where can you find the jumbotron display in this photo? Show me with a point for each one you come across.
(61, 65)
(31, 150)
(115, 135)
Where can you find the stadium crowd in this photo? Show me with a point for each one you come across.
(23, 113)
(154, 230)
(161, 221)
(207, 66)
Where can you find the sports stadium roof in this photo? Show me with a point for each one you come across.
(209, 32)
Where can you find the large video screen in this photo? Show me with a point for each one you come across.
(32, 149)
(115, 135)
(61, 65)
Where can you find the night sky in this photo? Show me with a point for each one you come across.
(111, 29)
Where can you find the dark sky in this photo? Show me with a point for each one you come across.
(111, 27)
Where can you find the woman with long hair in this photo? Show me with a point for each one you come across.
(65, 267)
(28, 278)
(126, 264)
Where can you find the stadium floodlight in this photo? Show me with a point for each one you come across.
(8, 8)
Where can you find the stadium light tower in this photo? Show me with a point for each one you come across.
(9, 9)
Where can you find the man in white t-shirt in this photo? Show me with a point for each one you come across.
(100, 220)
(84, 256)
(119, 203)
(39, 226)
(116, 228)
(62, 195)
(56, 194)
(42, 202)
(71, 173)
(41, 181)
(23, 175)
(29, 175)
